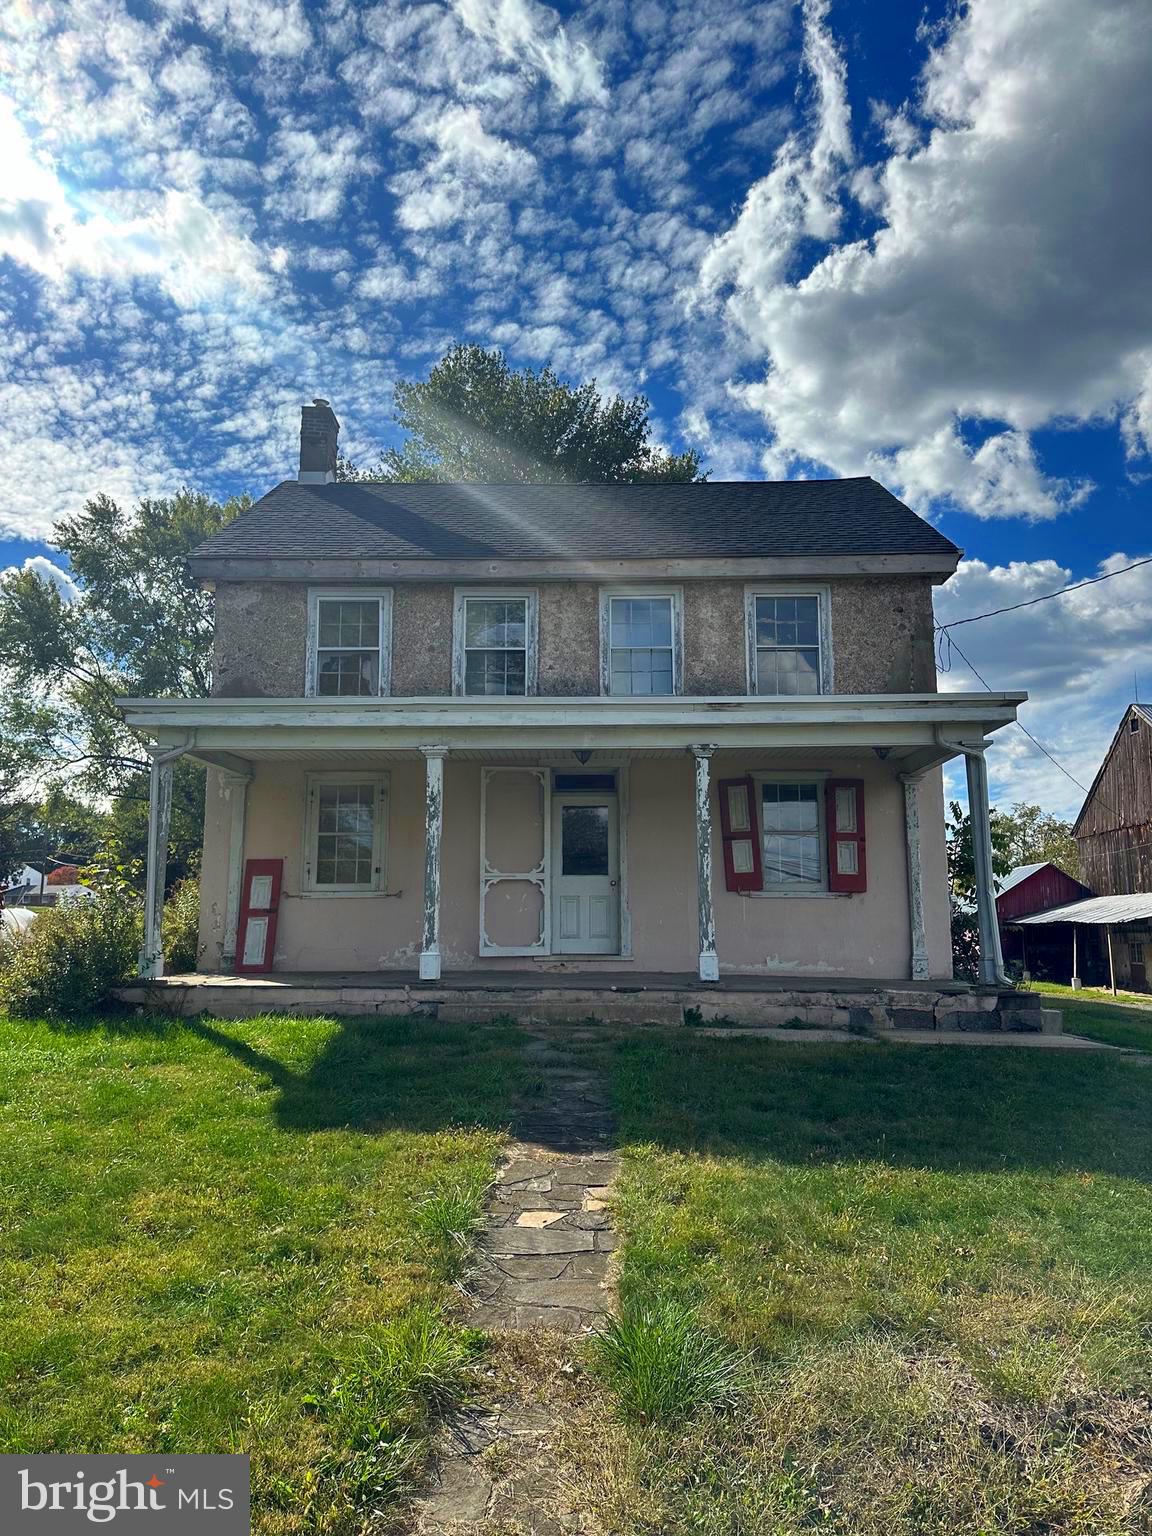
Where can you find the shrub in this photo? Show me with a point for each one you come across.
(182, 927)
(664, 1365)
(70, 958)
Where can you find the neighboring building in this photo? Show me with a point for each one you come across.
(493, 728)
(25, 888)
(1045, 953)
(1114, 828)
(1109, 935)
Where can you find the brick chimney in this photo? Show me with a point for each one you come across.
(319, 431)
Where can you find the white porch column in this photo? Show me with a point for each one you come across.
(234, 787)
(919, 937)
(991, 957)
(159, 820)
(433, 828)
(709, 969)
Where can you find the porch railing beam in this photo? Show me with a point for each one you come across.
(709, 967)
(433, 834)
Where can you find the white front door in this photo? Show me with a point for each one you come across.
(586, 875)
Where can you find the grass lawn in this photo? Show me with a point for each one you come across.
(238, 1235)
(930, 1272)
(1095, 1014)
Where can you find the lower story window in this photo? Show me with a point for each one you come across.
(345, 847)
(793, 840)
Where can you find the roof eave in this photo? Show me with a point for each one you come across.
(247, 568)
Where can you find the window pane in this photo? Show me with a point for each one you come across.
(499, 623)
(584, 839)
(641, 621)
(349, 622)
(346, 815)
(791, 859)
(788, 672)
(495, 672)
(347, 673)
(642, 671)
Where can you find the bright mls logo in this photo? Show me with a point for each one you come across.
(147, 1495)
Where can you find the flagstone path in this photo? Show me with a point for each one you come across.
(543, 1263)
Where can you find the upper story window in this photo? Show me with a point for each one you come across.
(641, 642)
(348, 647)
(495, 643)
(788, 645)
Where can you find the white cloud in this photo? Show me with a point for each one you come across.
(469, 160)
(531, 36)
(1077, 656)
(191, 250)
(1005, 287)
(47, 570)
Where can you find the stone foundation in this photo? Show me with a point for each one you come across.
(863, 1010)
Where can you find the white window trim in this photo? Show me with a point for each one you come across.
(312, 782)
(783, 893)
(383, 596)
(607, 594)
(532, 611)
(819, 591)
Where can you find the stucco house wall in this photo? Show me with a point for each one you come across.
(881, 637)
(864, 935)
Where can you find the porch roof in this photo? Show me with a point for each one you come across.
(915, 730)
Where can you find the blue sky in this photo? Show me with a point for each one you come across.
(825, 238)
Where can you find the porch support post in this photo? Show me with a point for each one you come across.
(919, 937)
(234, 788)
(991, 957)
(433, 829)
(151, 963)
(709, 963)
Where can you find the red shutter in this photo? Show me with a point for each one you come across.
(844, 812)
(740, 829)
(259, 902)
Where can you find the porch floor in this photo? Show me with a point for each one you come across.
(577, 979)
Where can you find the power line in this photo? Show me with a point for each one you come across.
(1048, 596)
(1039, 745)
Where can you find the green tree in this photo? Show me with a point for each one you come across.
(138, 625)
(962, 881)
(475, 418)
(1035, 836)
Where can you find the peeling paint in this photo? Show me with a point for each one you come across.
(917, 933)
(433, 828)
(709, 964)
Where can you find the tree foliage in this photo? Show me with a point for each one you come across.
(1035, 836)
(476, 418)
(1024, 835)
(138, 625)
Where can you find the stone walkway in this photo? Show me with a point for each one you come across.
(543, 1269)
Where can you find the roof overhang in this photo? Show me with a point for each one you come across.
(1097, 911)
(769, 568)
(915, 730)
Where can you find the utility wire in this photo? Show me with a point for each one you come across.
(1039, 745)
(1048, 596)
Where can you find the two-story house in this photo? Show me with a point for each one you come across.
(678, 731)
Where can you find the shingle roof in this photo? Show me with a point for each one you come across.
(352, 521)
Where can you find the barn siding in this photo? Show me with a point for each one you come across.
(1047, 888)
(1114, 830)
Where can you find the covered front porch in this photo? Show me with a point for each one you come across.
(471, 862)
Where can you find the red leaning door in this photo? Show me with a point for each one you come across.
(259, 903)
